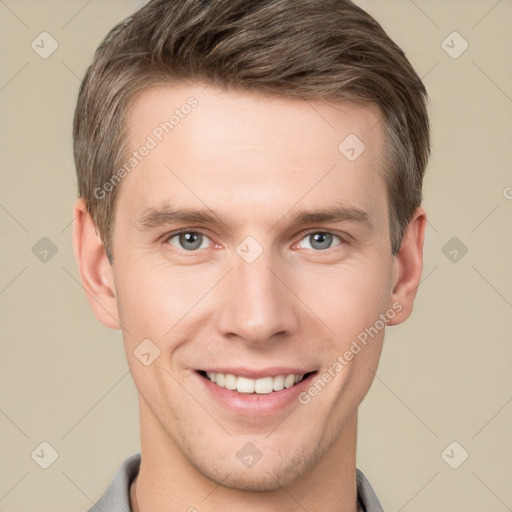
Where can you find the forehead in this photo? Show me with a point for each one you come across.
(225, 149)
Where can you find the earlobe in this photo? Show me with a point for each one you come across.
(94, 267)
(408, 267)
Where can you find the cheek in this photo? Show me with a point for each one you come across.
(161, 303)
(154, 297)
(347, 298)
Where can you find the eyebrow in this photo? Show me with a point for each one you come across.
(153, 218)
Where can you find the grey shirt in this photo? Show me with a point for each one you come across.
(117, 495)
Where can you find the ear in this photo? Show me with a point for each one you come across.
(407, 268)
(94, 267)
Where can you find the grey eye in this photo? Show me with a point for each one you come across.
(188, 240)
(320, 240)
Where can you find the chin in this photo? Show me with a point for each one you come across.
(263, 479)
(268, 474)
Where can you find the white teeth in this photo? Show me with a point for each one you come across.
(289, 381)
(264, 385)
(230, 381)
(279, 383)
(260, 386)
(244, 385)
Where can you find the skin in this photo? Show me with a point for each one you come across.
(256, 161)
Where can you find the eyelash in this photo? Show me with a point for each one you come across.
(169, 236)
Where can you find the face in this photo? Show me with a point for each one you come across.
(249, 246)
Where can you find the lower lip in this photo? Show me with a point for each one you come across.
(254, 404)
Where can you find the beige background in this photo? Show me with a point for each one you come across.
(445, 375)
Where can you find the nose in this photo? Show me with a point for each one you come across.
(257, 306)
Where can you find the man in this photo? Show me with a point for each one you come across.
(250, 177)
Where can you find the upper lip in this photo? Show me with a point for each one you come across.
(263, 372)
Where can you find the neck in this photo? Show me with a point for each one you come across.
(168, 482)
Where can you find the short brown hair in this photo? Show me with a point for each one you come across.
(303, 49)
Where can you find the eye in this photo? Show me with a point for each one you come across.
(188, 240)
(319, 240)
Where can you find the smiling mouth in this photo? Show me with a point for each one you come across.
(261, 386)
